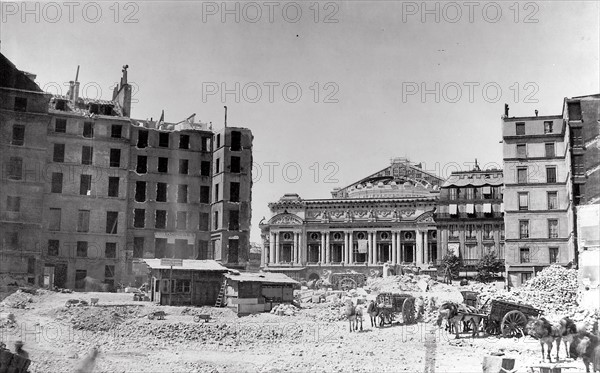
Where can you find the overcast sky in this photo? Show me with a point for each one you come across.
(360, 68)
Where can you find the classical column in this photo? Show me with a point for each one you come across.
(345, 248)
(327, 249)
(322, 251)
(394, 249)
(351, 248)
(375, 249)
(276, 247)
(294, 248)
(271, 247)
(398, 251)
(370, 247)
(419, 247)
(300, 249)
(426, 245)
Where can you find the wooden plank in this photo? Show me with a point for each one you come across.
(171, 262)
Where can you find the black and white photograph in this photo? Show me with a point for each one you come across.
(286, 186)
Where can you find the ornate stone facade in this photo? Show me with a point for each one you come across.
(380, 219)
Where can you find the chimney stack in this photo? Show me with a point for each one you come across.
(506, 110)
(225, 115)
(74, 87)
(536, 112)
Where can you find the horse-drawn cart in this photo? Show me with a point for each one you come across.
(508, 318)
(391, 305)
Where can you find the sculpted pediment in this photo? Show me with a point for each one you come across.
(285, 219)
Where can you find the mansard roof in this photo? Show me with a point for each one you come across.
(475, 179)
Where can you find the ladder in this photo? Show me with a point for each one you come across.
(221, 297)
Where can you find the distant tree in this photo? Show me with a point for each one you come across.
(488, 266)
(450, 266)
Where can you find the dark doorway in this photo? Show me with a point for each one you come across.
(407, 251)
(313, 253)
(60, 275)
(234, 249)
(286, 253)
(336, 253)
(384, 253)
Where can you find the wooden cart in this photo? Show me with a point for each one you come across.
(470, 297)
(392, 305)
(508, 318)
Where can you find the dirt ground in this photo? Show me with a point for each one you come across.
(58, 338)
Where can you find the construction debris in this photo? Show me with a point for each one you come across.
(285, 310)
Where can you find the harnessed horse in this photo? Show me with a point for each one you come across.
(455, 313)
(546, 333)
(354, 314)
(374, 311)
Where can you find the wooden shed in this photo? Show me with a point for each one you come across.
(193, 283)
(249, 293)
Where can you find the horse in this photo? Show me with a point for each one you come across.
(546, 333)
(455, 313)
(586, 346)
(373, 311)
(354, 314)
(568, 330)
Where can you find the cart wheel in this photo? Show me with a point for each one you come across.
(408, 310)
(151, 316)
(196, 318)
(513, 324)
(347, 284)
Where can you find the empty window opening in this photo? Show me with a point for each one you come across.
(142, 139)
(113, 186)
(161, 192)
(115, 157)
(140, 191)
(112, 219)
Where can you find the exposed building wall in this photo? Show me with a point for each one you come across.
(583, 117)
(56, 205)
(85, 207)
(231, 211)
(23, 122)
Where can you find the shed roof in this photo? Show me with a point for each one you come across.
(189, 265)
(267, 278)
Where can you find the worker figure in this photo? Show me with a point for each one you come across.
(19, 350)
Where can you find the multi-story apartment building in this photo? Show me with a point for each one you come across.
(169, 188)
(537, 195)
(469, 215)
(231, 195)
(87, 192)
(24, 121)
(85, 196)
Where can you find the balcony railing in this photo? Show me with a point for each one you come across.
(465, 263)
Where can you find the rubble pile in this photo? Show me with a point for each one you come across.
(285, 310)
(406, 283)
(326, 312)
(18, 299)
(98, 318)
(553, 290)
(229, 334)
